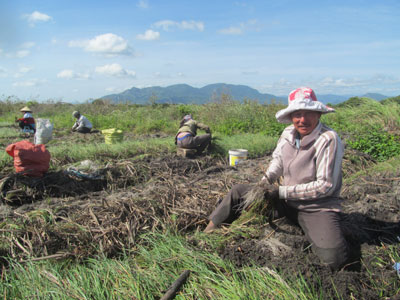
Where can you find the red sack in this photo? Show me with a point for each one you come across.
(29, 159)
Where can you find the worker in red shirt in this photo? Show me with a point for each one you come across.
(27, 122)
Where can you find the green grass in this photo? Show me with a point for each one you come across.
(225, 116)
(391, 165)
(147, 273)
(256, 144)
(8, 132)
(68, 151)
(102, 151)
(355, 119)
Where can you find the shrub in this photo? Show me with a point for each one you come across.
(380, 145)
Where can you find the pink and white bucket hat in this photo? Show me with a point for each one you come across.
(301, 99)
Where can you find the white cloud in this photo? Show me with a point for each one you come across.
(27, 45)
(115, 70)
(143, 4)
(3, 72)
(160, 75)
(18, 54)
(240, 29)
(113, 90)
(29, 83)
(70, 74)
(67, 74)
(250, 73)
(328, 85)
(231, 30)
(110, 89)
(35, 17)
(192, 25)
(339, 82)
(349, 84)
(22, 71)
(185, 25)
(149, 35)
(166, 24)
(22, 53)
(108, 44)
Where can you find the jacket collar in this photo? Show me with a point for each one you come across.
(306, 140)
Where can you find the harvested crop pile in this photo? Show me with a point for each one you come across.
(80, 219)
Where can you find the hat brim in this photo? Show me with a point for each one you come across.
(283, 116)
(25, 109)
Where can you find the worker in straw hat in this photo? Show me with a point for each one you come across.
(308, 156)
(27, 122)
(187, 137)
(82, 124)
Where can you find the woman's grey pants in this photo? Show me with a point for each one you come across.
(83, 130)
(322, 229)
(199, 142)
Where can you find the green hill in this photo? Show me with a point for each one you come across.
(186, 94)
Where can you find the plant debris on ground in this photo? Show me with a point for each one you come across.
(71, 214)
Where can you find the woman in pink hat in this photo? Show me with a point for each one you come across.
(309, 158)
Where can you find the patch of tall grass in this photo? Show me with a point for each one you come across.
(224, 116)
(365, 124)
(360, 115)
(147, 275)
(5, 160)
(69, 151)
(6, 132)
(392, 165)
(102, 151)
(256, 144)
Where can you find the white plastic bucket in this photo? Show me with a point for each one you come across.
(236, 156)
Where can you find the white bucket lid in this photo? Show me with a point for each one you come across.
(238, 152)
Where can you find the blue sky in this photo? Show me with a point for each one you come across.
(78, 50)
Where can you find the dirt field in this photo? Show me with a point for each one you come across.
(79, 212)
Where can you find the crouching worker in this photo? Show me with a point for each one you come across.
(187, 137)
(82, 124)
(309, 158)
(27, 122)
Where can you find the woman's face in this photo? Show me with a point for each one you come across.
(305, 121)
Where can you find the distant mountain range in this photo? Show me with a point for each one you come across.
(186, 94)
(375, 96)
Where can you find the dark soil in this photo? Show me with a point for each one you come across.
(63, 215)
(371, 224)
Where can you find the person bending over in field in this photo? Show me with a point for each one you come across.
(27, 121)
(82, 124)
(187, 135)
(308, 156)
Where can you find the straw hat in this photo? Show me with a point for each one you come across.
(26, 109)
(302, 98)
(76, 114)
